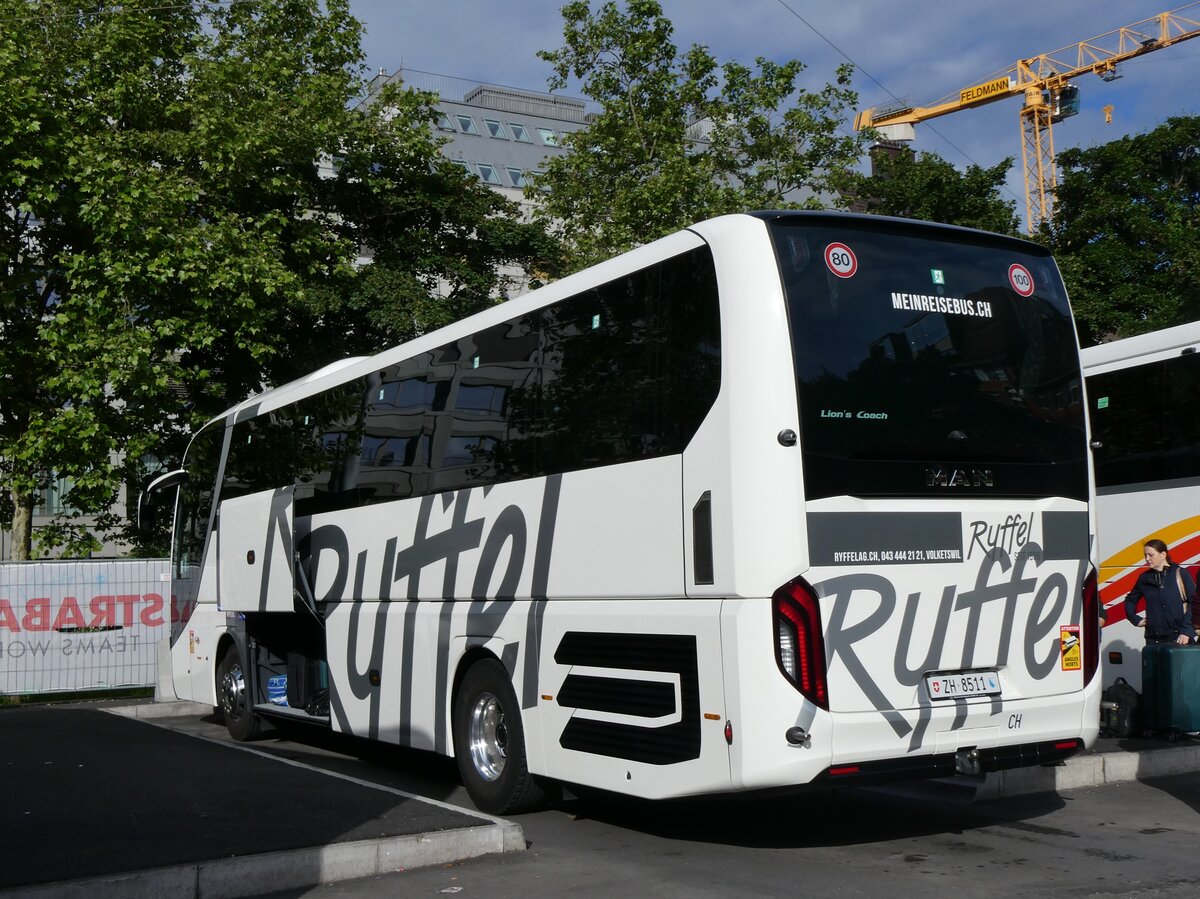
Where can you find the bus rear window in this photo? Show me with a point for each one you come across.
(925, 355)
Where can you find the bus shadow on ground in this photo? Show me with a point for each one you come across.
(414, 771)
(792, 819)
(812, 818)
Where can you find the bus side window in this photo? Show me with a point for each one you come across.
(402, 405)
(487, 432)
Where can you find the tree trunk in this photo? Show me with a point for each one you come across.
(22, 525)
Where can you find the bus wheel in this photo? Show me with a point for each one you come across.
(234, 698)
(489, 743)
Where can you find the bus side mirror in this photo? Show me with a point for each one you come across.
(147, 517)
(149, 501)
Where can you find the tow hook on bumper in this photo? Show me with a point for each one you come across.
(966, 761)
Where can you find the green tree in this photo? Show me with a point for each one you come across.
(679, 138)
(1126, 231)
(437, 237)
(925, 186)
(172, 244)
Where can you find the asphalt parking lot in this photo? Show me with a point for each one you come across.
(100, 804)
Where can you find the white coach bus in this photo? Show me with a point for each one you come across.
(1146, 449)
(783, 498)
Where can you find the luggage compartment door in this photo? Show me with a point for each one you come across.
(255, 552)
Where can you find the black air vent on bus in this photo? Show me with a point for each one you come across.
(702, 546)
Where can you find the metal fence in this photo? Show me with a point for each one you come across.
(81, 625)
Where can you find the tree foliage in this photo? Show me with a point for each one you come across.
(1126, 231)
(925, 186)
(171, 243)
(679, 138)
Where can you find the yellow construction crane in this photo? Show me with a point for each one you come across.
(1044, 82)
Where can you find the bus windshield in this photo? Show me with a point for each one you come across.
(930, 357)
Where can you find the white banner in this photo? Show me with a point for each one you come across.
(81, 625)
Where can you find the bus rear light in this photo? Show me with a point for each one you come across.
(843, 770)
(799, 643)
(1066, 745)
(1091, 626)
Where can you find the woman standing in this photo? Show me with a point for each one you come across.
(1168, 591)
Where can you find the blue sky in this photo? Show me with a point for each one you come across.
(916, 49)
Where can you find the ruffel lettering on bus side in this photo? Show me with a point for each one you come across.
(507, 541)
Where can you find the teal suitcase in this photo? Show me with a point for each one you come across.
(1171, 689)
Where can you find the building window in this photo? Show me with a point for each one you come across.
(517, 177)
(496, 129)
(466, 125)
(548, 137)
(52, 499)
(444, 123)
(488, 173)
(466, 166)
(519, 133)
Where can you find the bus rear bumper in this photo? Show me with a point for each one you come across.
(970, 761)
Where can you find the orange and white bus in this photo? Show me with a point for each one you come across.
(1146, 451)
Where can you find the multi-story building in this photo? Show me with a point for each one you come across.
(498, 134)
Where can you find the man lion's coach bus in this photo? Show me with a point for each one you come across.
(782, 498)
(1146, 449)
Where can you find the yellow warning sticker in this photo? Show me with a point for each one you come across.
(1072, 650)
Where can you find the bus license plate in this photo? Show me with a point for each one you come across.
(962, 684)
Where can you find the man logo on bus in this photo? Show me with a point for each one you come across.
(1020, 279)
(841, 260)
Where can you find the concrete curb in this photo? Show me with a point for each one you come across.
(1090, 770)
(294, 869)
(159, 709)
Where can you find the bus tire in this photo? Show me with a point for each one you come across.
(489, 743)
(233, 698)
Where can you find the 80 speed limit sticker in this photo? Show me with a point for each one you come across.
(1020, 279)
(841, 260)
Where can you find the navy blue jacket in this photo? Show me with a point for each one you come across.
(1165, 615)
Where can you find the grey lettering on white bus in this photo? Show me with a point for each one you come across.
(1041, 626)
(1050, 604)
(507, 531)
(447, 545)
(540, 589)
(974, 600)
(312, 547)
(911, 677)
(358, 678)
(509, 527)
(408, 639)
(277, 520)
(840, 640)
(379, 635)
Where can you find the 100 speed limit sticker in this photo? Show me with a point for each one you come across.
(1020, 279)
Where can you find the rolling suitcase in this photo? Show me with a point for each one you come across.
(1150, 662)
(1171, 689)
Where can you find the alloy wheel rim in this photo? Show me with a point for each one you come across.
(233, 692)
(487, 736)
